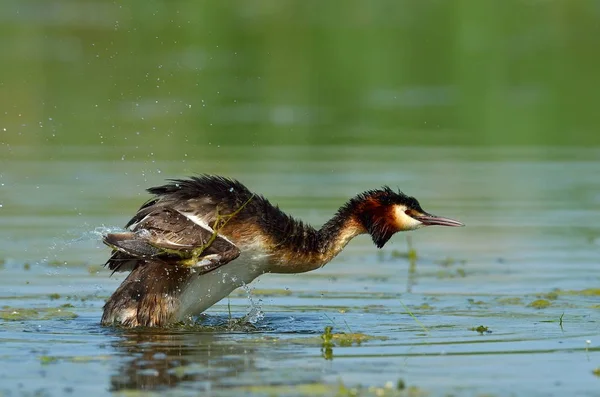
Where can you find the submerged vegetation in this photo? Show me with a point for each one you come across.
(26, 314)
(540, 304)
(481, 329)
(389, 389)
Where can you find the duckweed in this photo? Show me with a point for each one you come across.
(481, 329)
(339, 390)
(552, 295)
(540, 304)
(45, 360)
(20, 314)
(349, 339)
(509, 301)
(328, 337)
(263, 292)
(584, 292)
(58, 314)
(272, 292)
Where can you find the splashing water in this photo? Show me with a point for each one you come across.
(98, 233)
(59, 246)
(255, 314)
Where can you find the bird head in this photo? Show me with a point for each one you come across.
(384, 212)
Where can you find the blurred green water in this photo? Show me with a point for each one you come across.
(164, 74)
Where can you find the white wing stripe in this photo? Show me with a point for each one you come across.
(197, 220)
(200, 222)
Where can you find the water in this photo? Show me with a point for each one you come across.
(485, 111)
(529, 236)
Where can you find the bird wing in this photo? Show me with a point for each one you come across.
(171, 236)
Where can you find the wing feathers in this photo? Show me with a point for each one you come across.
(172, 237)
(175, 226)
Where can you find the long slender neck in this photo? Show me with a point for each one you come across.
(338, 231)
(302, 248)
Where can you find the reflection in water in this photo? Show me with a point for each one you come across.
(155, 360)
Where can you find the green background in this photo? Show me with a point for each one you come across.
(163, 75)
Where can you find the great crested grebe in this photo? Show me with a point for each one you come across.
(199, 239)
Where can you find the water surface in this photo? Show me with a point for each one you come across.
(485, 111)
(529, 237)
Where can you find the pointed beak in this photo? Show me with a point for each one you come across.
(429, 220)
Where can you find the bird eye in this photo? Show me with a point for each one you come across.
(412, 213)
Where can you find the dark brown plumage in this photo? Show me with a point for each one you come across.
(194, 230)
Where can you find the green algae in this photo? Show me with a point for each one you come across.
(481, 329)
(262, 292)
(390, 389)
(337, 339)
(540, 304)
(54, 296)
(22, 314)
(510, 300)
(328, 338)
(552, 295)
(45, 360)
(583, 292)
(272, 292)
(556, 293)
(58, 314)
(18, 314)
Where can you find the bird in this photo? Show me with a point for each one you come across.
(198, 239)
